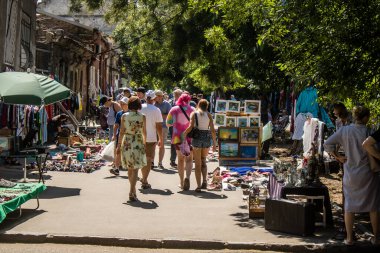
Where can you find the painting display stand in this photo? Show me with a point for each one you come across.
(239, 132)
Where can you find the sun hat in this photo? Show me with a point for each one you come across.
(151, 94)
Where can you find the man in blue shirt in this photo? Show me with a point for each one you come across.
(164, 107)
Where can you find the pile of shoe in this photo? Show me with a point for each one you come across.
(6, 184)
(5, 198)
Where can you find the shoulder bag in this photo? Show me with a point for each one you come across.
(374, 163)
(194, 133)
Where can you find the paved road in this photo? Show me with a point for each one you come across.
(65, 248)
(93, 209)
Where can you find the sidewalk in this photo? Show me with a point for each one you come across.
(93, 209)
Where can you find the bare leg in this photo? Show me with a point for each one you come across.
(132, 176)
(374, 222)
(204, 164)
(197, 152)
(181, 167)
(161, 151)
(150, 150)
(189, 164)
(349, 222)
(161, 154)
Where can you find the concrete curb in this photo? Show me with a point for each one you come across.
(175, 243)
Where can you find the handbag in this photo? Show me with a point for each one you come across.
(194, 133)
(374, 163)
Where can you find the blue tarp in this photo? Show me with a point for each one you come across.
(244, 170)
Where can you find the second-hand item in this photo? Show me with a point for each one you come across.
(290, 216)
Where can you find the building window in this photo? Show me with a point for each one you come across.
(26, 58)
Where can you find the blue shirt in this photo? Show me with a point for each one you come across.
(118, 121)
(164, 108)
(307, 102)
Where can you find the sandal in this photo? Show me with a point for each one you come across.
(145, 186)
(186, 184)
(198, 189)
(348, 243)
(132, 197)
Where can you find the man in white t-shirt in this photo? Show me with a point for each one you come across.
(153, 129)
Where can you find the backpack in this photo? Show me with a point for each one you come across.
(103, 118)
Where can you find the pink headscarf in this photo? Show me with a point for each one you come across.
(183, 100)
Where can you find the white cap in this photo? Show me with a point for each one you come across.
(151, 94)
(124, 100)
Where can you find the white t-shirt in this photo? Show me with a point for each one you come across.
(152, 115)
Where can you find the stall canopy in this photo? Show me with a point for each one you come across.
(30, 89)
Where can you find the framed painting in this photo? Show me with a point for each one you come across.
(242, 121)
(230, 121)
(248, 151)
(220, 119)
(229, 149)
(249, 135)
(254, 121)
(228, 134)
(221, 105)
(233, 106)
(252, 106)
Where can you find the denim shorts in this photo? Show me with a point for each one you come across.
(204, 139)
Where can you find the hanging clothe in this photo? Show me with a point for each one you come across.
(43, 116)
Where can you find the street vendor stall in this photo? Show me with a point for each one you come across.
(27, 94)
(12, 197)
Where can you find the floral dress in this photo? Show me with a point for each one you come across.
(132, 147)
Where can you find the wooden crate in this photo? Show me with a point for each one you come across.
(64, 140)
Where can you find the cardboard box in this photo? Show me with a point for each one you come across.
(6, 143)
(5, 132)
(74, 139)
(64, 140)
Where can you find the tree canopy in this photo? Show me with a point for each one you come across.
(169, 43)
(256, 43)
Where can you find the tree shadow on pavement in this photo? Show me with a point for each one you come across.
(243, 220)
(165, 192)
(144, 205)
(204, 194)
(116, 177)
(11, 221)
(53, 192)
(165, 171)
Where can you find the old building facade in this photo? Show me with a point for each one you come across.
(17, 40)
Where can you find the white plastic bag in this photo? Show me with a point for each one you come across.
(108, 152)
(267, 132)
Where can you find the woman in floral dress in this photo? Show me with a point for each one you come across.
(131, 144)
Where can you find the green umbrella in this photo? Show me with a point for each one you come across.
(30, 89)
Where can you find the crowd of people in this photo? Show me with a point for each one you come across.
(141, 122)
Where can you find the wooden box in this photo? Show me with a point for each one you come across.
(64, 140)
(256, 210)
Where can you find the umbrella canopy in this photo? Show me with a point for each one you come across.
(30, 89)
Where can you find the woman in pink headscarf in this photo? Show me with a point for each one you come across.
(179, 119)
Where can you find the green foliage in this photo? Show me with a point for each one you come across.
(169, 43)
(333, 42)
(262, 44)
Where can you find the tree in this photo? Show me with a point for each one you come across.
(332, 42)
(169, 43)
